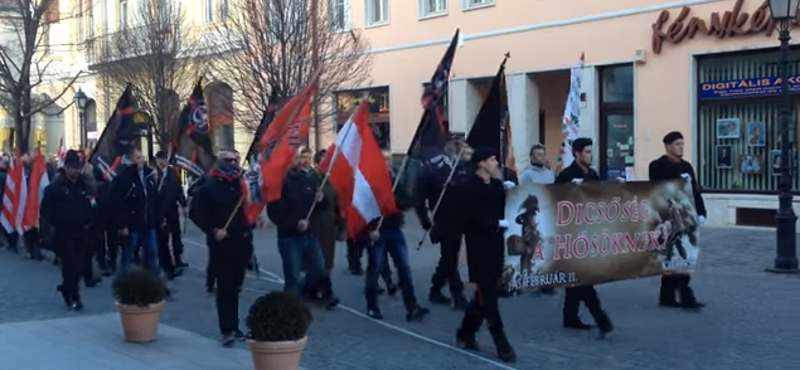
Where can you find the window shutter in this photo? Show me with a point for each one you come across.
(348, 18)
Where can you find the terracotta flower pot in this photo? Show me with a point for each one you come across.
(140, 324)
(277, 355)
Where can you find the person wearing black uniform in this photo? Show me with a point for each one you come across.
(484, 197)
(170, 196)
(446, 228)
(230, 244)
(578, 172)
(671, 166)
(68, 206)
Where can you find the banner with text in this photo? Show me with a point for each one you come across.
(570, 235)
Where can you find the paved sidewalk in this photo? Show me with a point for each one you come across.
(96, 343)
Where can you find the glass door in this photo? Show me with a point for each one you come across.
(616, 145)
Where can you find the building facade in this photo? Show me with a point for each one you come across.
(707, 68)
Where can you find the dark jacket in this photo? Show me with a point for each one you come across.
(327, 224)
(574, 171)
(665, 168)
(69, 207)
(170, 193)
(3, 177)
(403, 203)
(134, 201)
(297, 197)
(214, 203)
(428, 188)
(484, 208)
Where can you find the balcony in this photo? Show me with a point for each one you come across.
(131, 43)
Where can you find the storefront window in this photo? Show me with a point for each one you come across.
(378, 105)
(738, 121)
(616, 146)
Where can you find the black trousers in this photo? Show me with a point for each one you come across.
(73, 252)
(483, 307)
(588, 295)
(355, 251)
(107, 249)
(447, 270)
(676, 283)
(31, 240)
(211, 276)
(231, 256)
(167, 256)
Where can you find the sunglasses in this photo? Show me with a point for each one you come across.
(230, 160)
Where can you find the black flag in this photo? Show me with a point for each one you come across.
(192, 145)
(488, 131)
(266, 119)
(117, 137)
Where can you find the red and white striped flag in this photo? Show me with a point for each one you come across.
(14, 197)
(39, 179)
(359, 174)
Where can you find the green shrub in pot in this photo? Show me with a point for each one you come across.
(278, 317)
(139, 288)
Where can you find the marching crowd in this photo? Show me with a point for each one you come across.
(134, 219)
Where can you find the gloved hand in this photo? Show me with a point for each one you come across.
(686, 176)
(426, 225)
(577, 181)
(701, 219)
(502, 224)
(508, 184)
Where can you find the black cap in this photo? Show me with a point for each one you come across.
(482, 154)
(580, 143)
(72, 160)
(672, 137)
(161, 154)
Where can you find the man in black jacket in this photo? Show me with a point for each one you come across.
(385, 237)
(170, 196)
(446, 228)
(298, 247)
(484, 224)
(70, 208)
(578, 172)
(671, 166)
(230, 244)
(135, 211)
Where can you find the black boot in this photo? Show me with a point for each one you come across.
(436, 296)
(604, 324)
(688, 300)
(417, 314)
(576, 323)
(470, 324)
(466, 340)
(460, 302)
(67, 298)
(502, 346)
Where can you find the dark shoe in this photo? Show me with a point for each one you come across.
(669, 304)
(692, 306)
(67, 299)
(183, 264)
(107, 272)
(228, 339)
(91, 283)
(467, 341)
(417, 314)
(356, 270)
(77, 305)
(460, 302)
(502, 346)
(391, 289)
(604, 325)
(375, 314)
(333, 302)
(210, 289)
(577, 325)
(436, 297)
(239, 336)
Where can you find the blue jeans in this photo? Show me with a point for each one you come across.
(393, 243)
(149, 253)
(301, 253)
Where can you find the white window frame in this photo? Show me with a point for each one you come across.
(369, 12)
(425, 10)
(224, 10)
(347, 24)
(476, 4)
(208, 11)
(124, 14)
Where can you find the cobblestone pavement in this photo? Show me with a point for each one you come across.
(751, 321)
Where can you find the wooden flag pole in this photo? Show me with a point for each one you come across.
(394, 186)
(441, 195)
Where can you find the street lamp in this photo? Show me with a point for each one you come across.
(784, 13)
(80, 102)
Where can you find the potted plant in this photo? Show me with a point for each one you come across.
(277, 324)
(140, 300)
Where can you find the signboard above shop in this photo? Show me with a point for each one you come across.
(746, 88)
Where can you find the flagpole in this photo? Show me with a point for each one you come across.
(394, 186)
(441, 195)
(336, 152)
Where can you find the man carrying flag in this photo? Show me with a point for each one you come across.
(191, 145)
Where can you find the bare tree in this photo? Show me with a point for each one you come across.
(153, 54)
(267, 44)
(24, 62)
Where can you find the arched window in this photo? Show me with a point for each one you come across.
(219, 99)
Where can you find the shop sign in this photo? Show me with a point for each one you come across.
(728, 24)
(746, 87)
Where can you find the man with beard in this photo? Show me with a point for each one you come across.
(230, 244)
(484, 225)
(297, 245)
(170, 197)
(135, 208)
(446, 228)
(578, 172)
(671, 166)
(538, 173)
(69, 207)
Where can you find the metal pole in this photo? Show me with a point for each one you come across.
(83, 128)
(150, 153)
(315, 70)
(785, 221)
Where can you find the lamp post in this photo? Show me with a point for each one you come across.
(80, 102)
(784, 13)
